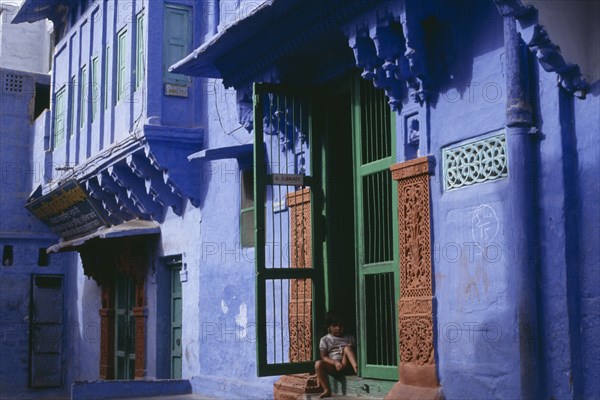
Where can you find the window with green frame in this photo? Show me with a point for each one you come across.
(95, 87)
(177, 39)
(73, 109)
(83, 96)
(107, 91)
(139, 62)
(247, 208)
(121, 65)
(59, 115)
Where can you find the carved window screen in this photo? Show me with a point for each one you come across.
(475, 162)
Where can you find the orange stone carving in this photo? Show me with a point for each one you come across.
(415, 309)
(300, 305)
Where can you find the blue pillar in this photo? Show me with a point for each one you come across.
(520, 136)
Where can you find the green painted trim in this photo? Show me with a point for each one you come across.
(121, 64)
(83, 97)
(59, 116)
(260, 172)
(74, 103)
(175, 284)
(360, 171)
(264, 274)
(139, 50)
(185, 42)
(107, 70)
(95, 86)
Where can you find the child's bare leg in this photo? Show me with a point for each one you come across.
(350, 357)
(323, 369)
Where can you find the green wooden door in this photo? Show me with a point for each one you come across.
(176, 321)
(288, 273)
(376, 232)
(124, 328)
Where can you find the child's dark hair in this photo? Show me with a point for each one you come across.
(333, 318)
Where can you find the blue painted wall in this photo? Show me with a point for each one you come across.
(477, 270)
(226, 309)
(27, 236)
(481, 260)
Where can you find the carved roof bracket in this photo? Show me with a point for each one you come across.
(136, 191)
(548, 53)
(108, 184)
(388, 46)
(116, 213)
(155, 184)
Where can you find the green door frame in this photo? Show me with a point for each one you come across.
(176, 323)
(382, 115)
(124, 328)
(283, 274)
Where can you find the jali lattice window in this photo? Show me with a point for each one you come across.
(475, 162)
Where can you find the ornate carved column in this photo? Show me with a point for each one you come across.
(140, 313)
(300, 308)
(291, 387)
(415, 307)
(107, 332)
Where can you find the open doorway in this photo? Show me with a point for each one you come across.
(327, 237)
(360, 207)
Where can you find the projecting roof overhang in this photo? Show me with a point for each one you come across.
(129, 228)
(271, 31)
(36, 10)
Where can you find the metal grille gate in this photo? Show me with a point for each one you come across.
(287, 278)
(377, 236)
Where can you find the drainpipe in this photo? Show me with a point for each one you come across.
(520, 137)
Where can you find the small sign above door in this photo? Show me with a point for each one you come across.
(287, 179)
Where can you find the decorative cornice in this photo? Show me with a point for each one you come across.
(416, 167)
(538, 40)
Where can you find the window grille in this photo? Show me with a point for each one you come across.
(475, 162)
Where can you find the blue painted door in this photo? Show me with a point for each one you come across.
(46, 331)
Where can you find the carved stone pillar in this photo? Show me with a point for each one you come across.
(291, 387)
(415, 307)
(140, 313)
(107, 332)
(300, 306)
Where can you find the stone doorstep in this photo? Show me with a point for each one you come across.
(305, 386)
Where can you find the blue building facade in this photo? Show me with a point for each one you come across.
(230, 170)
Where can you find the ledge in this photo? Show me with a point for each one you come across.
(220, 153)
(415, 167)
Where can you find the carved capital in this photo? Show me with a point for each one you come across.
(412, 168)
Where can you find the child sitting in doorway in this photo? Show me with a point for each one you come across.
(337, 352)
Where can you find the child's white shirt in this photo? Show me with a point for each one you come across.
(334, 345)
